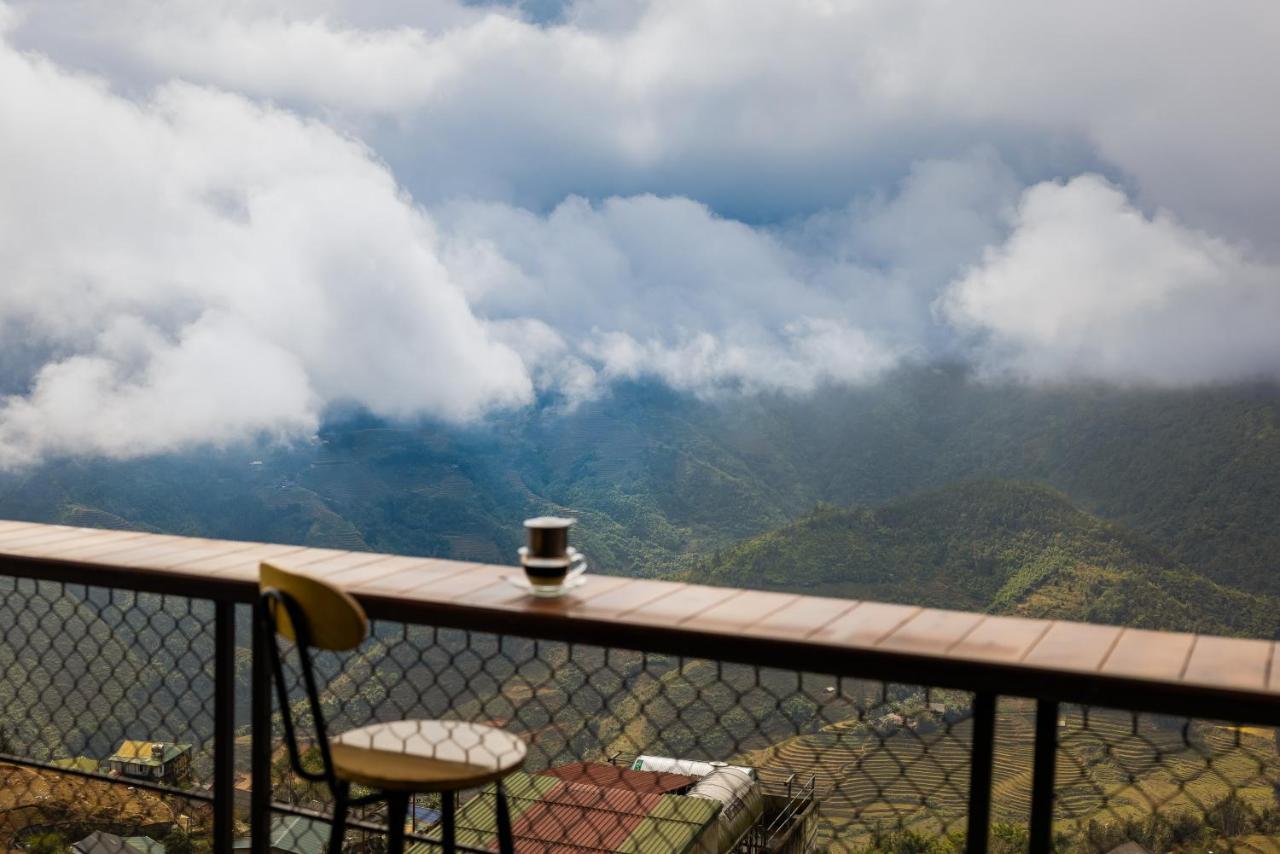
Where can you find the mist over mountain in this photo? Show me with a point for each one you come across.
(662, 481)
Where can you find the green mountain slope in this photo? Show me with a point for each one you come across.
(998, 546)
(661, 480)
(1195, 470)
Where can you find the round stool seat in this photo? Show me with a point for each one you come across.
(425, 756)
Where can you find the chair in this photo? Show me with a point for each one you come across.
(397, 759)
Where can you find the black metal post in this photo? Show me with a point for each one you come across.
(1044, 767)
(397, 812)
(338, 832)
(224, 724)
(447, 819)
(506, 840)
(260, 748)
(981, 759)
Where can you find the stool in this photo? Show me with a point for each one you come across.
(397, 759)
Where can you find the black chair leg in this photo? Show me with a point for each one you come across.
(505, 843)
(447, 805)
(338, 832)
(397, 812)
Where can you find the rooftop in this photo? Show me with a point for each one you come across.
(548, 813)
(293, 833)
(143, 752)
(614, 777)
(109, 843)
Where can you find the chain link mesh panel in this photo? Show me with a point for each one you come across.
(627, 750)
(836, 762)
(109, 691)
(845, 764)
(1164, 783)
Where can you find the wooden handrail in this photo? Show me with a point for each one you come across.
(1174, 673)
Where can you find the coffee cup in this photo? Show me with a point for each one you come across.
(548, 560)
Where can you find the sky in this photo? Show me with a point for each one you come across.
(221, 219)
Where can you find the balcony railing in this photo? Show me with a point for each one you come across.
(134, 701)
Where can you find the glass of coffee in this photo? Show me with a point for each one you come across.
(549, 562)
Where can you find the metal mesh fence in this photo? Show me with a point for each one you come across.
(627, 750)
(854, 765)
(107, 690)
(1164, 783)
(844, 759)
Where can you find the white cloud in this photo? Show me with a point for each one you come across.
(754, 106)
(662, 287)
(194, 267)
(218, 382)
(808, 353)
(441, 209)
(1089, 287)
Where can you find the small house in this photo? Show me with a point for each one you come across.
(154, 761)
(86, 764)
(109, 843)
(292, 834)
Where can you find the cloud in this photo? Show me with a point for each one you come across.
(663, 287)
(202, 268)
(1089, 287)
(759, 109)
(217, 383)
(221, 219)
(194, 267)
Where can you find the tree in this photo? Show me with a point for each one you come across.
(178, 841)
(47, 843)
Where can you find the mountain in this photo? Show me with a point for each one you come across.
(660, 480)
(1196, 470)
(996, 546)
(651, 475)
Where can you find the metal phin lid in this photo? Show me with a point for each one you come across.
(543, 522)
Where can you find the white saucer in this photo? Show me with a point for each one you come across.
(570, 583)
(571, 556)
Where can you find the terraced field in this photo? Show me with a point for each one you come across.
(91, 517)
(1109, 768)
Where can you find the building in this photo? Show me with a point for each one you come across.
(548, 813)
(420, 818)
(77, 763)
(155, 761)
(690, 767)
(293, 834)
(634, 779)
(108, 843)
(600, 807)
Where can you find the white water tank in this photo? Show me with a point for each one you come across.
(742, 804)
(687, 767)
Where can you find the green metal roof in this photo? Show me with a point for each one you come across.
(101, 842)
(139, 753)
(295, 833)
(675, 825)
(476, 822)
(78, 763)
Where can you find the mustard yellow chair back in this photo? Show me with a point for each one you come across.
(335, 621)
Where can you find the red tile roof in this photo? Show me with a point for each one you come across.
(613, 777)
(581, 818)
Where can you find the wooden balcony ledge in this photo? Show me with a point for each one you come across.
(1223, 678)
